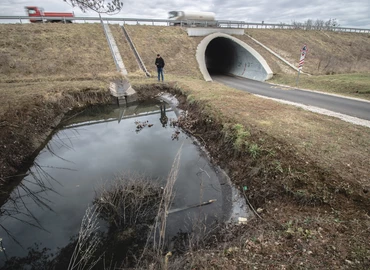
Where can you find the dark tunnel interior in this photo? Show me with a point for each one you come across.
(220, 56)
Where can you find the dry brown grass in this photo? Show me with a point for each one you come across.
(40, 50)
(329, 52)
(338, 145)
(315, 159)
(174, 45)
(20, 94)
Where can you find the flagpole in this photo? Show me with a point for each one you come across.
(304, 51)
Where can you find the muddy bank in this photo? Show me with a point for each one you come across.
(24, 129)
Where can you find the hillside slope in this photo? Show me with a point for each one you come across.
(62, 50)
(173, 43)
(329, 52)
(30, 50)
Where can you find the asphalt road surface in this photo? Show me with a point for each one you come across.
(356, 108)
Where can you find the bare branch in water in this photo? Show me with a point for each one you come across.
(87, 243)
(167, 197)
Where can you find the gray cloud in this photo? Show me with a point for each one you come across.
(348, 14)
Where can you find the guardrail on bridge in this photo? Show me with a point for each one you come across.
(219, 23)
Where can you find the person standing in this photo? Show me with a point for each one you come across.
(159, 62)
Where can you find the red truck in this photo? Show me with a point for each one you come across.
(39, 12)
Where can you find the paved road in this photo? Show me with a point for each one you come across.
(359, 109)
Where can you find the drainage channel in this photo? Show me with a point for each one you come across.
(137, 56)
(86, 154)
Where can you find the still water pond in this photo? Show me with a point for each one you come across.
(90, 149)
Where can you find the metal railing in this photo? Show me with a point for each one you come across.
(193, 23)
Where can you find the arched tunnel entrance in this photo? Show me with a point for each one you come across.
(220, 53)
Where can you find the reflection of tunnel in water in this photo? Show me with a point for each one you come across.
(223, 54)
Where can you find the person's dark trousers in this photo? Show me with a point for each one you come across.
(160, 73)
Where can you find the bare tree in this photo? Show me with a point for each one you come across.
(281, 25)
(319, 24)
(308, 24)
(297, 25)
(331, 23)
(100, 6)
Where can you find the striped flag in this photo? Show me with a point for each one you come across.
(304, 51)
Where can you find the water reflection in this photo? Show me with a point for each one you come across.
(164, 118)
(93, 146)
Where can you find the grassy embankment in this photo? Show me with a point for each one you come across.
(309, 173)
(45, 70)
(342, 57)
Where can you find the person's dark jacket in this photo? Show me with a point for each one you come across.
(159, 62)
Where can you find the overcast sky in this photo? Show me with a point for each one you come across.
(349, 13)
